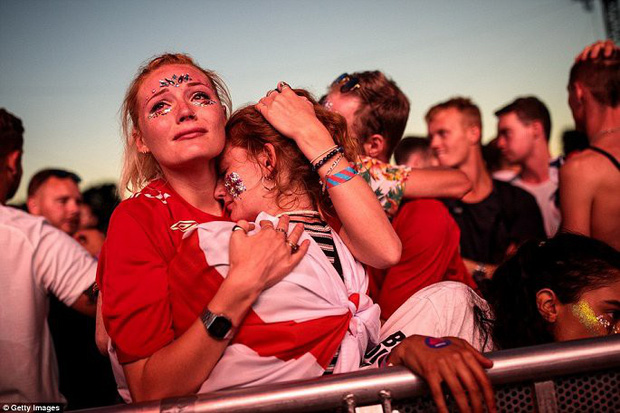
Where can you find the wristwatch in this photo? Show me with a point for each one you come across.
(218, 326)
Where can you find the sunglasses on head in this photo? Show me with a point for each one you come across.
(347, 83)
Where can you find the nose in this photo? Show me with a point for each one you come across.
(186, 112)
(501, 142)
(73, 207)
(434, 141)
(220, 191)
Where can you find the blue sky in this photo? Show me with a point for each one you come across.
(65, 64)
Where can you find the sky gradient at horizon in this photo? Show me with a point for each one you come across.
(66, 63)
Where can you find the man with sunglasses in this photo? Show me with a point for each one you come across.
(376, 111)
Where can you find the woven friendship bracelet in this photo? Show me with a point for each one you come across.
(326, 158)
(341, 177)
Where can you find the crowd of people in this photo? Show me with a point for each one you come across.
(277, 242)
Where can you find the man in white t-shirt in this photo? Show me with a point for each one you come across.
(523, 131)
(37, 260)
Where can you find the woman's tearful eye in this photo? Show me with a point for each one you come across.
(160, 109)
(202, 99)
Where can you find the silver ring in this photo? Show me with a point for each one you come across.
(282, 85)
(294, 247)
(238, 228)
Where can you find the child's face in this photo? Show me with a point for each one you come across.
(240, 185)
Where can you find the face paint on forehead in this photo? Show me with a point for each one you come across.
(174, 80)
(234, 184)
(587, 318)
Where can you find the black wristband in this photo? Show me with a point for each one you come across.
(326, 158)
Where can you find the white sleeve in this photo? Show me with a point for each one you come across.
(416, 316)
(62, 266)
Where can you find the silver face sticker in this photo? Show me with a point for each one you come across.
(175, 80)
(234, 184)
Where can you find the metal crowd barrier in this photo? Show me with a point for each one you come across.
(573, 376)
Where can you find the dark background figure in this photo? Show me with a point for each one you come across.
(573, 141)
(102, 199)
(415, 151)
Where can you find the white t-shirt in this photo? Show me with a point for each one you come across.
(545, 194)
(443, 309)
(36, 259)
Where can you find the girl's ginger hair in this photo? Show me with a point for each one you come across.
(293, 173)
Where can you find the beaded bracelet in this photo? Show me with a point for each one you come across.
(326, 158)
(341, 177)
(323, 154)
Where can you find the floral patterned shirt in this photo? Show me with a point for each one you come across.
(388, 181)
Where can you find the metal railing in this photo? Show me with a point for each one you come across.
(538, 364)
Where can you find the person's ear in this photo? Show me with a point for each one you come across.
(14, 162)
(579, 92)
(473, 134)
(268, 159)
(547, 304)
(137, 137)
(33, 205)
(374, 146)
(538, 129)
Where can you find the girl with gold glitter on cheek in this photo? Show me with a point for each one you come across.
(565, 288)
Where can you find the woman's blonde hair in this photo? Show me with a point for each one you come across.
(140, 168)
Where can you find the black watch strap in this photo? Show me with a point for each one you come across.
(218, 326)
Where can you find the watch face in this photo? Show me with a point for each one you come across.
(219, 327)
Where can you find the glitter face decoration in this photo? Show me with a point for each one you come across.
(234, 185)
(611, 328)
(203, 103)
(161, 112)
(199, 99)
(174, 80)
(329, 105)
(587, 318)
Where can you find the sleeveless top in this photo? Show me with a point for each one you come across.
(606, 154)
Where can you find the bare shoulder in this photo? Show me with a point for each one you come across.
(584, 166)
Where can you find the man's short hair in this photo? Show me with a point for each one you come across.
(11, 134)
(384, 109)
(600, 76)
(409, 145)
(529, 109)
(471, 112)
(43, 175)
